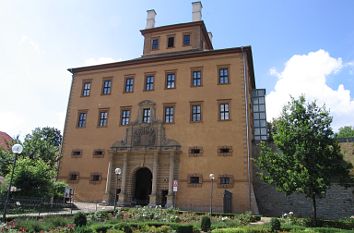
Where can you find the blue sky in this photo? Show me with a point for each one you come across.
(303, 46)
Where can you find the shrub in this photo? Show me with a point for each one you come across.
(83, 229)
(100, 216)
(80, 219)
(205, 224)
(127, 229)
(31, 225)
(245, 218)
(101, 228)
(275, 224)
(184, 229)
(57, 221)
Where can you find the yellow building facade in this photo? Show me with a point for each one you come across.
(173, 127)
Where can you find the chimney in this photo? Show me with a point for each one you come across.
(197, 11)
(150, 20)
(210, 36)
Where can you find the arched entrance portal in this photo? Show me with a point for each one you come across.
(143, 184)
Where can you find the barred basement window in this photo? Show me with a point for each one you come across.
(225, 181)
(195, 180)
(99, 153)
(95, 178)
(76, 153)
(195, 151)
(73, 176)
(225, 151)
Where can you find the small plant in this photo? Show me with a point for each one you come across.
(184, 229)
(127, 229)
(275, 225)
(80, 219)
(205, 224)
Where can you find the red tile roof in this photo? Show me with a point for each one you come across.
(5, 139)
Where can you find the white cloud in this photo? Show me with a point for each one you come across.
(307, 74)
(100, 60)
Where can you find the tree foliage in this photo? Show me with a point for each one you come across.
(43, 143)
(345, 132)
(305, 156)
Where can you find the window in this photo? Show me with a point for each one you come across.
(76, 153)
(106, 88)
(129, 85)
(146, 115)
(155, 44)
(225, 181)
(186, 39)
(170, 80)
(224, 111)
(195, 151)
(225, 151)
(170, 42)
(149, 83)
(73, 176)
(86, 88)
(124, 116)
(102, 118)
(196, 78)
(169, 112)
(95, 178)
(224, 75)
(99, 153)
(81, 122)
(195, 180)
(196, 115)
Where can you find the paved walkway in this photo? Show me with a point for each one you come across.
(80, 207)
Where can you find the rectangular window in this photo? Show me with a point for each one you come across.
(124, 116)
(99, 153)
(224, 75)
(95, 178)
(186, 39)
(155, 44)
(76, 153)
(129, 85)
(169, 112)
(170, 42)
(224, 111)
(81, 122)
(73, 176)
(86, 88)
(196, 115)
(107, 87)
(170, 80)
(195, 151)
(225, 151)
(103, 118)
(225, 180)
(149, 83)
(194, 179)
(196, 78)
(146, 115)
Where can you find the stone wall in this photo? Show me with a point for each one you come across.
(338, 203)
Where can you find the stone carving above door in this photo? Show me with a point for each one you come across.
(142, 136)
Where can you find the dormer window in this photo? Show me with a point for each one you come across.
(170, 42)
(155, 44)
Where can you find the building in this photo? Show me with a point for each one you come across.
(178, 118)
(5, 141)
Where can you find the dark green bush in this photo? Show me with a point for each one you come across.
(275, 224)
(205, 223)
(80, 219)
(184, 229)
(83, 229)
(127, 229)
(101, 228)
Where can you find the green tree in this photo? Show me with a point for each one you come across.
(345, 132)
(33, 177)
(43, 143)
(305, 156)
